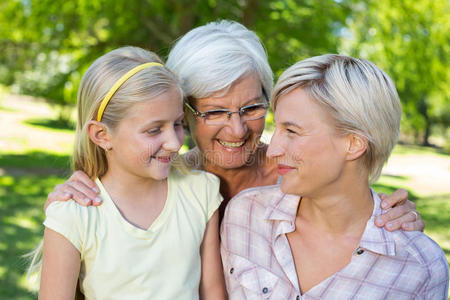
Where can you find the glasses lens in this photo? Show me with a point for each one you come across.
(247, 113)
(216, 116)
(253, 112)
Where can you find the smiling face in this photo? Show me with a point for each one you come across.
(231, 145)
(310, 153)
(145, 142)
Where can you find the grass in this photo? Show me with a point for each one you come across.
(21, 217)
(51, 124)
(35, 156)
(39, 160)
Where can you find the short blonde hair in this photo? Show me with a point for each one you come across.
(96, 82)
(361, 98)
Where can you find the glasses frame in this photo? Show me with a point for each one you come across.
(241, 110)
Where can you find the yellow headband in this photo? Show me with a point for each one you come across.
(117, 85)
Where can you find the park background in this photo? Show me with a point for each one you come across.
(46, 45)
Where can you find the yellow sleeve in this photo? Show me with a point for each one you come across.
(214, 198)
(67, 218)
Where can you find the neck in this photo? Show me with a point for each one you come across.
(123, 185)
(342, 208)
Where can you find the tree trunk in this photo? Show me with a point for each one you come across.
(426, 135)
(423, 110)
(249, 13)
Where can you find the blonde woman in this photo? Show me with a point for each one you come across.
(313, 237)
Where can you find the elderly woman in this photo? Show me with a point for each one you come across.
(226, 78)
(313, 237)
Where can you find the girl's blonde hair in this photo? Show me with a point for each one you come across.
(95, 84)
(97, 81)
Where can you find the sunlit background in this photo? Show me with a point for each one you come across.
(46, 45)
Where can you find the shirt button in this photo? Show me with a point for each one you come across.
(231, 270)
(297, 298)
(265, 290)
(360, 251)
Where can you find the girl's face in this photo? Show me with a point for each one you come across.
(146, 141)
(309, 152)
(230, 145)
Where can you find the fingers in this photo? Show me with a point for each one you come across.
(418, 225)
(396, 198)
(56, 196)
(78, 187)
(81, 193)
(401, 217)
(84, 179)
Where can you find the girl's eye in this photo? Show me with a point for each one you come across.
(178, 124)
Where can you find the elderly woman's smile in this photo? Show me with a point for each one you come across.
(230, 143)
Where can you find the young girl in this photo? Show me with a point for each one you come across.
(156, 235)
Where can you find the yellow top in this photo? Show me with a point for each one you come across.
(121, 261)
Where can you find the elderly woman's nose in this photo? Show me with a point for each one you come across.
(237, 127)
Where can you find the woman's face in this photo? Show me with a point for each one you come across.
(309, 152)
(231, 145)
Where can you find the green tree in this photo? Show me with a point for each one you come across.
(50, 43)
(411, 41)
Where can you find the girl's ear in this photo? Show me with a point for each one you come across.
(356, 146)
(99, 134)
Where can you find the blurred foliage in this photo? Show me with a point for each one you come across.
(410, 40)
(21, 217)
(48, 44)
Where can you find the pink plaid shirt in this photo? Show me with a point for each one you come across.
(258, 262)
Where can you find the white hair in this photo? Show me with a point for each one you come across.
(361, 98)
(210, 58)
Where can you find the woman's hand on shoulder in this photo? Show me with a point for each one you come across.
(402, 215)
(78, 187)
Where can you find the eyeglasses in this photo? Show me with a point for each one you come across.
(222, 116)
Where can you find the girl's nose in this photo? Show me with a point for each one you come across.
(173, 141)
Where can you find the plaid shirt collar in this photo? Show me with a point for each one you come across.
(283, 208)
